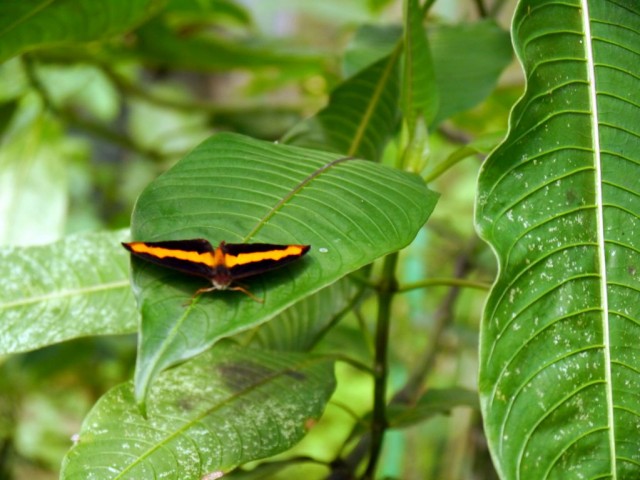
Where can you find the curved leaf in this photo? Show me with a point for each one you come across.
(73, 288)
(361, 115)
(29, 24)
(559, 203)
(208, 416)
(236, 189)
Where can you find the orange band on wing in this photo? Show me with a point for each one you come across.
(206, 258)
(231, 261)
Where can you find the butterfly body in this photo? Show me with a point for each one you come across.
(222, 265)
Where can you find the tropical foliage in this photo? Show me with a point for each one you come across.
(359, 128)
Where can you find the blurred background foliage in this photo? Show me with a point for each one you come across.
(85, 126)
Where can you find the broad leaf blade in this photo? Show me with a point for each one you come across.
(223, 409)
(73, 288)
(29, 24)
(558, 201)
(236, 189)
(361, 115)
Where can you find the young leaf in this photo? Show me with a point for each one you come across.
(558, 201)
(241, 190)
(370, 44)
(467, 60)
(212, 414)
(361, 115)
(73, 288)
(435, 401)
(420, 94)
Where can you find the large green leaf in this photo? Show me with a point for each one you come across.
(223, 409)
(559, 201)
(73, 288)
(361, 115)
(467, 60)
(238, 190)
(29, 24)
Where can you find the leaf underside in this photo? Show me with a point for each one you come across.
(223, 409)
(72, 288)
(559, 201)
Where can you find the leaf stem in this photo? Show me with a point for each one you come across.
(386, 291)
(451, 282)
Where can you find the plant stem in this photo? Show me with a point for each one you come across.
(386, 290)
(414, 386)
(443, 316)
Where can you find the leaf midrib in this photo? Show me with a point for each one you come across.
(65, 293)
(303, 364)
(602, 261)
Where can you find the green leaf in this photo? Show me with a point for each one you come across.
(420, 94)
(73, 288)
(361, 116)
(29, 24)
(236, 189)
(212, 414)
(436, 401)
(468, 60)
(559, 203)
(370, 44)
(299, 327)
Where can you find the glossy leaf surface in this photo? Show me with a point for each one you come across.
(241, 190)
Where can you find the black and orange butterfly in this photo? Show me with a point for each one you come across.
(222, 265)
